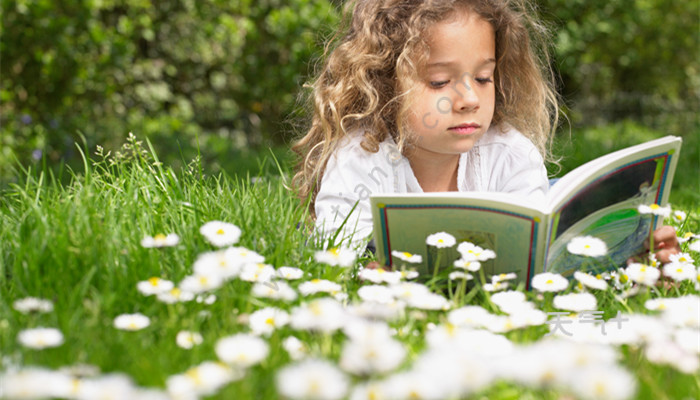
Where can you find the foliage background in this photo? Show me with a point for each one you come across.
(219, 79)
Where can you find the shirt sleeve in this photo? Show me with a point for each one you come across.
(351, 176)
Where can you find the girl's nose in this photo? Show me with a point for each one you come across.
(465, 98)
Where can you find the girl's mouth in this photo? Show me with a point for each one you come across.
(464, 129)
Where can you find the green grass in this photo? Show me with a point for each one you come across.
(78, 244)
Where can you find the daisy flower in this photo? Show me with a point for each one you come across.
(495, 286)
(200, 283)
(319, 286)
(680, 271)
(472, 252)
(407, 257)
(549, 282)
(220, 233)
(604, 382)
(175, 295)
(590, 281)
(274, 290)
(188, 340)
(223, 263)
(131, 322)
(469, 265)
(32, 304)
(208, 300)
(654, 209)
(40, 338)
(154, 285)
(687, 236)
(469, 316)
(258, 272)
(503, 277)
(575, 302)
(376, 293)
(312, 379)
(241, 350)
(588, 246)
(205, 379)
(244, 256)
(459, 275)
(441, 240)
(408, 274)
(265, 320)
(290, 273)
(378, 354)
(324, 314)
(295, 347)
(160, 240)
(428, 301)
(681, 258)
(379, 275)
(508, 300)
(336, 257)
(694, 246)
(642, 273)
(678, 216)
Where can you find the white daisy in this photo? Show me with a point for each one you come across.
(200, 283)
(469, 265)
(379, 354)
(40, 338)
(208, 300)
(459, 275)
(407, 257)
(409, 290)
(591, 281)
(188, 340)
(160, 240)
(32, 304)
(654, 209)
(265, 320)
(495, 286)
(220, 233)
(509, 300)
(244, 255)
(472, 252)
(680, 271)
(111, 386)
(575, 302)
(312, 379)
(274, 290)
(678, 216)
(503, 277)
(258, 272)
(428, 301)
(241, 350)
(336, 257)
(324, 314)
(290, 273)
(223, 263)
(604, 382)
(441, 240)
(408, 274)
(295, 347)
(205, 379)
(34, 383)
(131, 322)
(319, 286)
(376, 293)
(694, 246)
(588, 246)
(175, 295)
(686, 236)
(681, 258)
(549, 282)
(642, 273)
(154, 285)
(469, 316)
(379, 275)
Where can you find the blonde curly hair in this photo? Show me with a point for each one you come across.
(372, 63)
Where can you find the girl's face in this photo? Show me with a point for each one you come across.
(455, 94)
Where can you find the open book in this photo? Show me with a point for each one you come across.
(599, 198)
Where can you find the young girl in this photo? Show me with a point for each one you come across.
(427, 96)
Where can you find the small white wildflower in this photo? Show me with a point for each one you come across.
(220, 233)
(654, 209)
(503, 277)
(472, 252)
(40, 338)
(441, 240)
(242, 350)
(376, 293)
(591, 281)
(131, 322)
(549, 282)
(200, 283)
(324, 314)
(319, 286)
(694, 246)
(680, 271)
(265, 320)
(336, 257)
(154, 285)
(32, 304)
(312, 379)
(687, 236)
(679, 216)
(295, 347)
(469, 265)
(290, 273)
(258, 272)
(681, 258)
(428, 301)
(223, 263)
(205, 379)
(642, 273)
(495, 286)
(407, 257)
(459, 275)
(244, 255)
(379, 275)
(274, 290)
(160, 240)
(208, 300)
(508, 300)
(175, 295)
(575, 302)
(409, 274)
(588, 246)
(188, 340)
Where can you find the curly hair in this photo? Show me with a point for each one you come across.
(372, 63)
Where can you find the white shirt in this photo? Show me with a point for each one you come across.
(499, 162)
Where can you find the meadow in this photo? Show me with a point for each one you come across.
(161, 284)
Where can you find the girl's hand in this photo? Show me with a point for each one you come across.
(665, 243)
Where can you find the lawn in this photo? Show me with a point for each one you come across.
(320, 328)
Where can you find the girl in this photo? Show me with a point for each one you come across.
(427, 96)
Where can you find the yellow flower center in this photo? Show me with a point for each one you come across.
(154, 281)
(334, 251)
(159, 236)
(315, 281)
(679, 270)
(175, 292)
(654, 206)
(203, 280)
(220, 232)
(270, 321)
(407, 255)
(549, 282)
(441, 241)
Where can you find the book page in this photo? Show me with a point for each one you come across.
(403, 222)
(604, 205)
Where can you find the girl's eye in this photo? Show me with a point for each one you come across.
(483, 80)
(438, 84)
